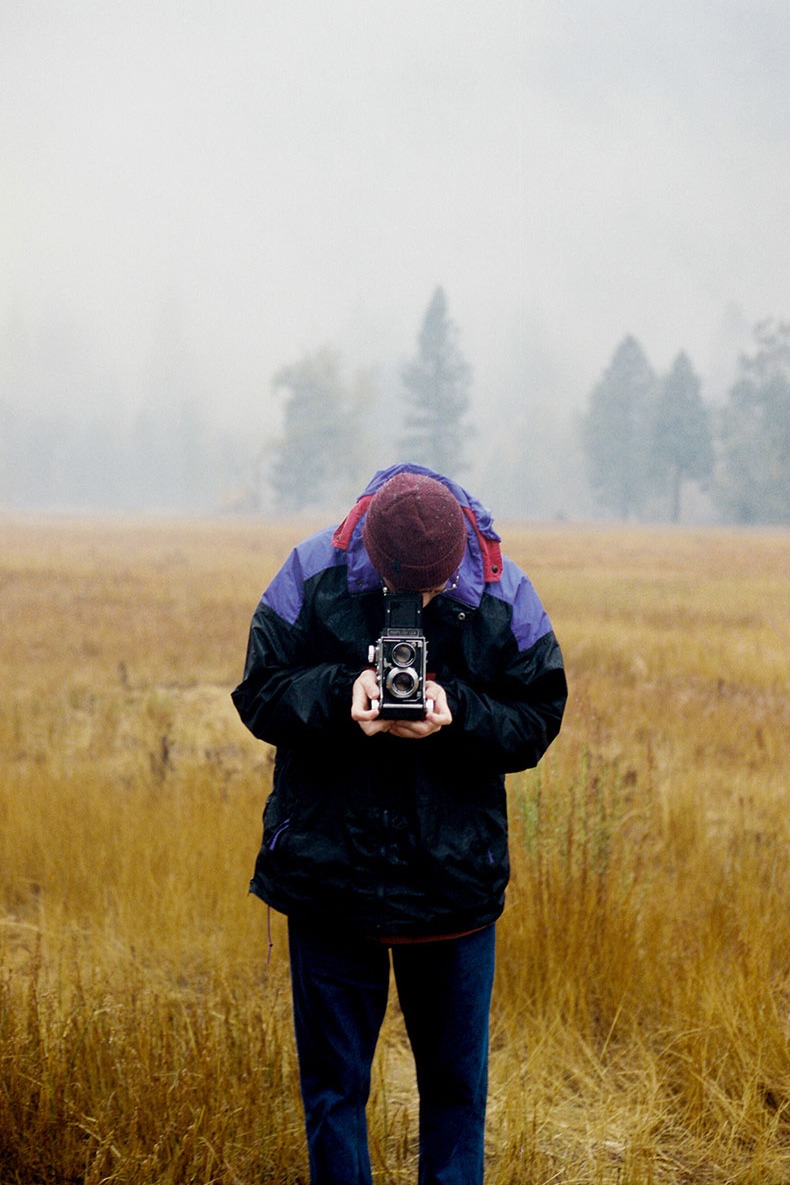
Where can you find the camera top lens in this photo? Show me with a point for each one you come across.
(403, 654)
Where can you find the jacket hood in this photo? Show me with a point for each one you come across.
(482, 562)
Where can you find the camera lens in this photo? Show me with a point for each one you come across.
(403, 654)
(402, 683)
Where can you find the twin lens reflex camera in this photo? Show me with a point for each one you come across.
(400, 658)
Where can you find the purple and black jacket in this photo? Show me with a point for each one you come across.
(381, 834)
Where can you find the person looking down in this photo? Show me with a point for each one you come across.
(385, 838)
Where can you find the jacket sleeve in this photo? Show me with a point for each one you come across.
(510, 714)
(511, 722)
(287, 694)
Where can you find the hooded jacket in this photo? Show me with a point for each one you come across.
(395, 836)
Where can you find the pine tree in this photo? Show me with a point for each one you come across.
(437, 384)
(317, 457)
(616, 431)
(682, 441)
(755, 479)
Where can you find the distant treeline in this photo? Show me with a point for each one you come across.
(163, 459)
(647, 437)
(647, 447)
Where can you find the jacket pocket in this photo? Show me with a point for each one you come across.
(271, 838)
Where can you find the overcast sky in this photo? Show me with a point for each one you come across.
(207, 190)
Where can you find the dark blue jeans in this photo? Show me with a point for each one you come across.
(340, 986)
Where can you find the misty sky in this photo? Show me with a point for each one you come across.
(195, 194)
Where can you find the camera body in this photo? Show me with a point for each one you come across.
(400, 658)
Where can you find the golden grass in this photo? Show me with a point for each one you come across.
(642, 1009)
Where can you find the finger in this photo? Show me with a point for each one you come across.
(413, 729)
(372, 727)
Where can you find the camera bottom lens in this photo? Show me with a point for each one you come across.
(402, 684)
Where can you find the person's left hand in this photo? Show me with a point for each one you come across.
(437, 717)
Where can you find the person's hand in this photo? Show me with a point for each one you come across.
(365, 704)
(436, 717)
(365, 695)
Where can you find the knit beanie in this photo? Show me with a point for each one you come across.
(415, 532)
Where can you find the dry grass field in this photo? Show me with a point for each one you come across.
(641, 1023)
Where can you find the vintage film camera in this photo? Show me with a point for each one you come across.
(400, 657)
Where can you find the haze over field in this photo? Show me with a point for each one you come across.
(194, 196)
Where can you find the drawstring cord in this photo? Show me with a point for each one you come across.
(269, 934)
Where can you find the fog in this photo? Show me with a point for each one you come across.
(195, 195)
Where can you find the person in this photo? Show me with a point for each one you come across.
(385, 840)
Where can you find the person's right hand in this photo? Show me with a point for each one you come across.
(365, 704)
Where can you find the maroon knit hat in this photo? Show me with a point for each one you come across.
(415, 532)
